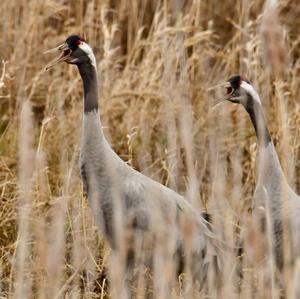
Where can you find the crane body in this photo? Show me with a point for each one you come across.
(122, 198)
(272, 192)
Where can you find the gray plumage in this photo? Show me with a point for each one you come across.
(121, 197)
(272, 191)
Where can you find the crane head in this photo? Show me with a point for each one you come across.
(74, 50)
(239, 90)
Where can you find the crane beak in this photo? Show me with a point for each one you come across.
(226, 96)
(224, 85)
(65, 55)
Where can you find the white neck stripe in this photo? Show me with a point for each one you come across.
(88, 50)
(249, 89)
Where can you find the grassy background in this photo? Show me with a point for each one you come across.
(156, 62)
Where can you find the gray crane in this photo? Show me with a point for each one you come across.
(121, 197)
(272, 192)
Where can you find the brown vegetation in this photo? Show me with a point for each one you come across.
(157, 60)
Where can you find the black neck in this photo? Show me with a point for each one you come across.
(88, 74)
(256, 114)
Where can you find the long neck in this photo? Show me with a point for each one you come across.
(88, 74)
(268, 159)
(258, 120)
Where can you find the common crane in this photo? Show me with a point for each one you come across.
(122, 197)
(272, 192)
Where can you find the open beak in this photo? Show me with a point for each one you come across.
(224, 85)
(65, 53)
(229, 91)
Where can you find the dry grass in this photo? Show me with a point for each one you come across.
(156, 61)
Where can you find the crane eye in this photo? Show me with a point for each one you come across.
(229, 90)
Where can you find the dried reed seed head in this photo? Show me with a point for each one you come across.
(275, 52)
